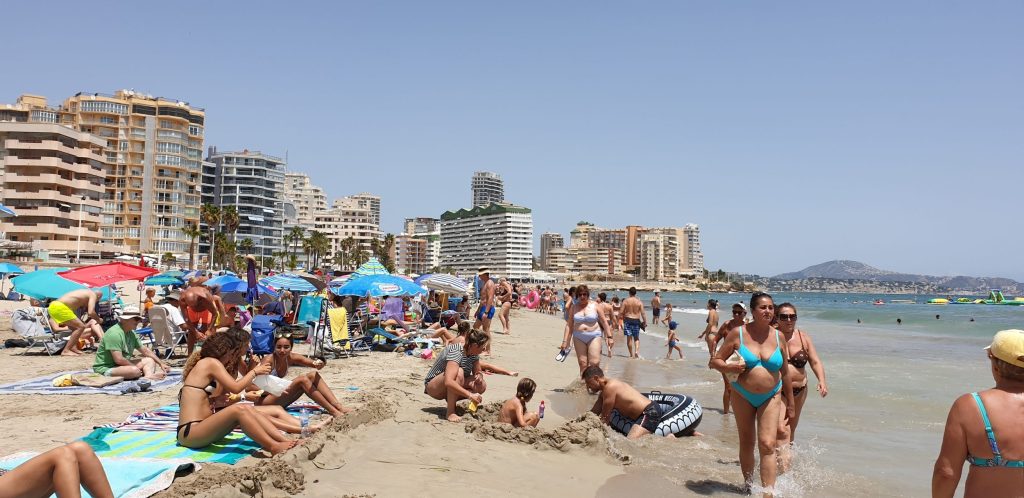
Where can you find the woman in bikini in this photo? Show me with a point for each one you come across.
(503, 295)
(801, 351)
(983, 429)
(762, 379)
(586, 326)
(311, 383)
(739, 313)
(710, 334)
(206, 377)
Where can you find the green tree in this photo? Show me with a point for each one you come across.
(386, 250)
(192, 232)
(359, 256)
(295, 236)
(347, 247)
(246, 246)
(293, 261)
(168, 259)
(315, 246)
(225, 252)
(229, 216)
(210, 214)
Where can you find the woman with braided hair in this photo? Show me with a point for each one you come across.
(514, 410)
(206, 377)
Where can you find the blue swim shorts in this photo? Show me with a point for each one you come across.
(631, 327)
(485, 309)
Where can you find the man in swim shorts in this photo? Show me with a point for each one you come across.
(656, 307)
(633, 319)
(485, 311)
(63, 311)
(617, 395)
(202, 310)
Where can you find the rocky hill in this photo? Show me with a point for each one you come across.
(862, 275)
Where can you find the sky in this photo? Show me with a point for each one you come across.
(792, 132)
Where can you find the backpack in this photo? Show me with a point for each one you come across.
(262, 341)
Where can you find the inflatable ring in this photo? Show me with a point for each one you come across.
(682, 415)
(522, 301)
(532, 300)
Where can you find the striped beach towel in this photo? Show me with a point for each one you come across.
(164, 445)
(44, 385)
(165, 418)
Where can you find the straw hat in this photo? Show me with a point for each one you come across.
(483, 270)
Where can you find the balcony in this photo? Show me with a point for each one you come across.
(53, 162)
(50, 179)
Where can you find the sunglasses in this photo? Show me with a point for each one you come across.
(787, 317)
(738, 312)
(283, 335)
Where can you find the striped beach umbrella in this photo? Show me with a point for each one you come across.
(289, 282)
(371, 267)
(444, 283)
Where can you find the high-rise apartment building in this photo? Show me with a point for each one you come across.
(487, 188)
(659, 257)
(253, 183)
(309, 199)
(373, 202)
(54, 178)
(693, 260)
(348, 217)
(410, 255)
(154, 154)
(429, 230)
(498, 236)
(549, 241)
(595, 260)
(644, 256)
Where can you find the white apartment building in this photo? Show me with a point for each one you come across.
(498, 236)
(659, 256)
(549, 241)
(371, 201)
(487, 188)
(309, 199)
(693, 260)
(348, 218)
(252, 182)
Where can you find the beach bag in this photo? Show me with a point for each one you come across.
(262, 341)
(27, 324)
(56, 347)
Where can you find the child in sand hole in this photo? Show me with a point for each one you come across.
(514, 411)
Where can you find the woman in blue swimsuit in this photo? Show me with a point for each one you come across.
(984, 429)
(761, 378)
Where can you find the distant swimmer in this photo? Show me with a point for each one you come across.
(972, 318)
(899, 321)
(936, 317)
(858, 320)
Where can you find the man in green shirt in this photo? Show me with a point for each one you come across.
(118, 346)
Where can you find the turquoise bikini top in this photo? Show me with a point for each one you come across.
(998, 461)
(772, 364)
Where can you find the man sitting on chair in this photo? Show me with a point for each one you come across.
(118, 345)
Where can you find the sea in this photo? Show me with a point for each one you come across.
(878, 431)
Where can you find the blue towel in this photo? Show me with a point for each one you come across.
(43, 385)
(128, 477)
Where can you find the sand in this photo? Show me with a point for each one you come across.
(397, 442)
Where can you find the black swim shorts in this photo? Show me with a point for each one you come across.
(651, 417)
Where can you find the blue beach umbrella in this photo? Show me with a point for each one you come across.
(46, 284)
(289, 282)
(10, 269)
(371, 267)
(229, 285)
(163, 279)
(379, 285)
(174, 273)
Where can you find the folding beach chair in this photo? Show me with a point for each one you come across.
(382, 340)
(36, 331)
(165, 330)
(340, 343)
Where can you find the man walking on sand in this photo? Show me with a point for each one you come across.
(633, 319)
(485, 311)
(63, 312)
(656, 307)
(202, 310)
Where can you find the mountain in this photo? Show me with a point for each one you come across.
(855, 270)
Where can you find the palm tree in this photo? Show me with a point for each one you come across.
(359, 257)
(269, 262)
(316, 246)
(229, 215)
(246, 246)
(225, 250)
(296, 235)
(210, 214)
(293, 261)
(168, 259)
(347, 246)
(388, 246)
(192, 232)
(282, 257)
(339, 259)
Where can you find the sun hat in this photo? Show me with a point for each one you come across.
(174, 295)
(130, 313)
(483, 270)
(1008, 345)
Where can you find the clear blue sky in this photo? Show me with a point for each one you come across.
(792, 132)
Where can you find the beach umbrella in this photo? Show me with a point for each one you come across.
(234, 285)
(309, 277)
(379, 285)
(174, 273)
(6, 211)
(163, 279)
(8, 269)
(48, 284)
(106, 274)
(289, 282)
(222, 280)
(371, 267)
(444, 283)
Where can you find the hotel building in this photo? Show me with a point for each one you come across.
(153, 158)
(487, 188)
(309, 199)
(429, 230)
(252, 182)
(410, 255)
(498, 236)
(549, 241)
(348, 217)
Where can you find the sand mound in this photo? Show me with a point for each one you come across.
(281, 475)
(586, 431)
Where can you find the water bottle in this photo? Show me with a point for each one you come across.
(540, 411)
(304, 418)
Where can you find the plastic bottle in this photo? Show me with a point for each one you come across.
(540, 411)
(304, 418)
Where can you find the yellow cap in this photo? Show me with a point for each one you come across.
(1008, 345)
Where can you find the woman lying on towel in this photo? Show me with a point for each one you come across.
(207, 377)
(62, 471)
(311, 383)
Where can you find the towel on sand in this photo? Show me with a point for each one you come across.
(44, 385)
(128, 477)
(164, 445)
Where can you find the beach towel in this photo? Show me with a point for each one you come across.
(165, 418)
(164, 445)
(129, 477)
(44, 385)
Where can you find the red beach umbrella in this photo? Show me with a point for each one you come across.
(106, 274)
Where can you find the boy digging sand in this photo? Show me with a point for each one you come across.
(620, 396)
(673, 341)
(514, 412)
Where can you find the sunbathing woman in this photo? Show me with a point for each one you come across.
(198, 425)
(62, 471)
(311, 384)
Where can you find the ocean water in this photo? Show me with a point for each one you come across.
(878, 431)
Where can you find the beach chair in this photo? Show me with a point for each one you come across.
(382, 340)
(341, 342)
(164, 329)
(36, 331)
